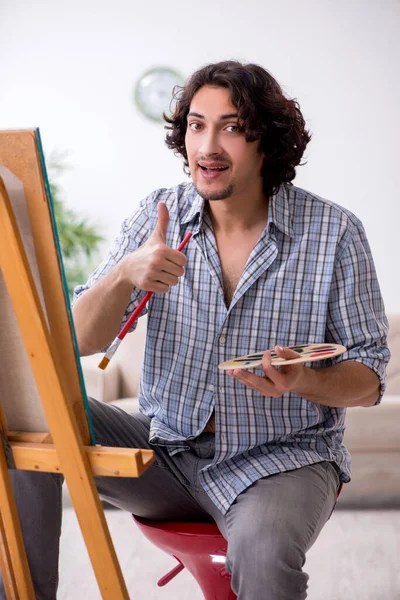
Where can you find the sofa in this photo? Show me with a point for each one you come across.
(372, 434)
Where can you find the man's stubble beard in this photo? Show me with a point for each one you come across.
(217, 194)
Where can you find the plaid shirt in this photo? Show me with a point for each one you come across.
(310, 278)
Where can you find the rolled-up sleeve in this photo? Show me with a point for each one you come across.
(356, 315)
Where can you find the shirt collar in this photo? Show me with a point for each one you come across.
(195, 209)
(279, 210)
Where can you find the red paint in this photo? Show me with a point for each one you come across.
(321, 353)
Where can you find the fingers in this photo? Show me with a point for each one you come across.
(168, 260)
(155, 266)
(174, 256)
(271, 372)
(167, 278)
(255, 382)
(267, 366)
(159, 238)
(163, 274)
(275, 382)
(160, 230)
(173, 269)
(286, 353)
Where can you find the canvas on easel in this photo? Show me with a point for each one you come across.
(44, 416)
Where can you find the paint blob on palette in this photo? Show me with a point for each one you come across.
(308, 353)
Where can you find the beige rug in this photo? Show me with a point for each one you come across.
(357, 557)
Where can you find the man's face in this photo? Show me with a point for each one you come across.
(222, 164)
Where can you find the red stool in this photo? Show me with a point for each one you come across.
(199, 547)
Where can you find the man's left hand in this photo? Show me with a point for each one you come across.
(276, 381)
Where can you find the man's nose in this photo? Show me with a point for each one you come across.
(210, 144)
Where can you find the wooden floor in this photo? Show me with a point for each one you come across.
(357, 557)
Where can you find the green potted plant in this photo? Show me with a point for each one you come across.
(79, 238)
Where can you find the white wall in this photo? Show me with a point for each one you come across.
(70, 67)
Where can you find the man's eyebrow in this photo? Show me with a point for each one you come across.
(221, 118)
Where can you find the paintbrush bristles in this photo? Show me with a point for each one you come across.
(110, 353)
(104, 362)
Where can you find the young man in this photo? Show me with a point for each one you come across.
(269, 265)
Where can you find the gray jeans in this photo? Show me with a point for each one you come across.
(269, 528)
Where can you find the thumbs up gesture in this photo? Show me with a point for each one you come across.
(160, 231)
(154, 267)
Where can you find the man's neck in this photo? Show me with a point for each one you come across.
(229, 217)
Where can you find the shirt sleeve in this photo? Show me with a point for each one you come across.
(356, 315)
(134, 232)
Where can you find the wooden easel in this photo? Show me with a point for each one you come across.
(46, 329)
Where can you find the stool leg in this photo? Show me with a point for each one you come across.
(171, 574)
(214, 580)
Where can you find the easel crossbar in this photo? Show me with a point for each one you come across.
(103, 461)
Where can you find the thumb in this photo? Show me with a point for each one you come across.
(286, 353)
(160, 230)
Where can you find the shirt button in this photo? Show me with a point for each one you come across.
(211, 388)
(222, 339)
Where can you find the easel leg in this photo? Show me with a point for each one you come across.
(55, 397)
(9, 583)
(13, 561)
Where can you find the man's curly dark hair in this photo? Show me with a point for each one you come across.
(263, 111)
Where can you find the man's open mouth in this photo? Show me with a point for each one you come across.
(213, 168)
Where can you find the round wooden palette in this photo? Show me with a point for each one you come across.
(308, 352)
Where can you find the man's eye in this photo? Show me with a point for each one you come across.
(233, 128)
(194, 126)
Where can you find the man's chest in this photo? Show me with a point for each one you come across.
(233, 255)
(281, 285)
(233, 259)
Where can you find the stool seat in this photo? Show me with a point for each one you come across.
(199, 547)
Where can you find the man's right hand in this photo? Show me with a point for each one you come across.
(154, 267)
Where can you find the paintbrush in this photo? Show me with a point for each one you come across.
(115, 345)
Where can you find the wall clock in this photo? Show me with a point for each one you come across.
(153, 91)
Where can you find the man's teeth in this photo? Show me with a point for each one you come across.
(213, 168)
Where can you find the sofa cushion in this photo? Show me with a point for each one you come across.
(374, 429)
(103, 385)
(375, 481)
(129, 358)
(393, 369)
(129, 405)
